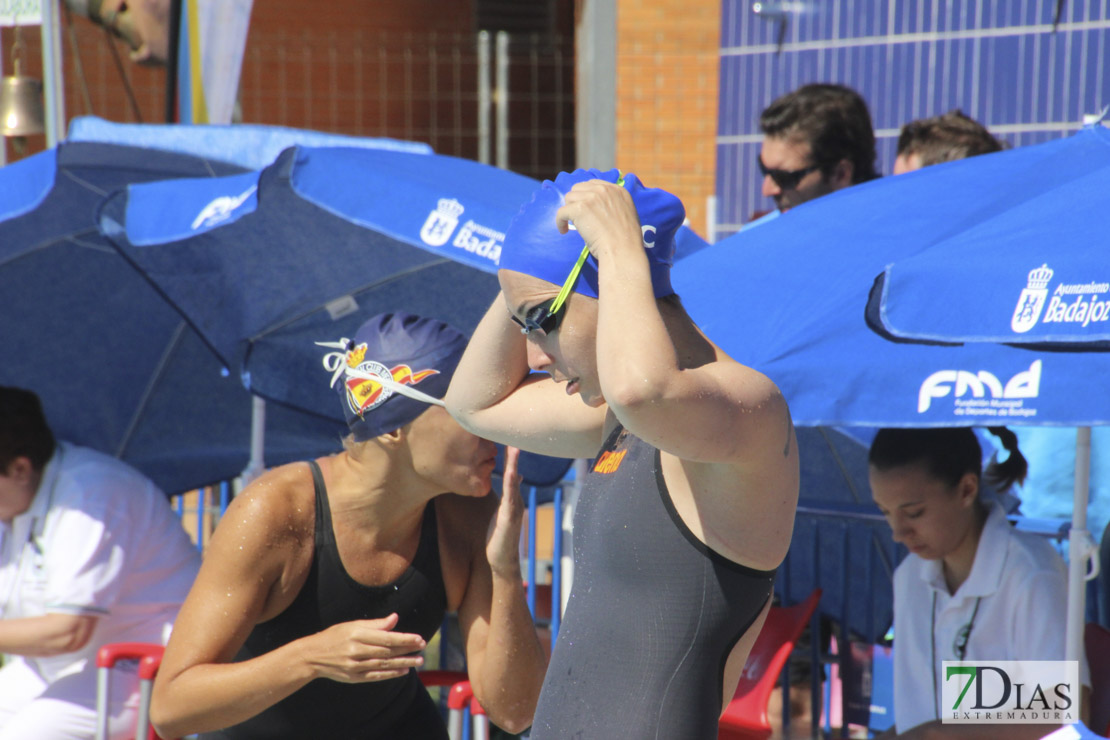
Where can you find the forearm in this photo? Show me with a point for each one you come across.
(45, 636)
(492, 367)
(508, 678)
(212, 696)
(635, 355)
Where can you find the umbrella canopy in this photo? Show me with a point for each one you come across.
(267, 263)
(115, 366)
(1024, 261)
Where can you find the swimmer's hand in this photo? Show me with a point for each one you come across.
(364, 650)
(604, 215)
(503, 536)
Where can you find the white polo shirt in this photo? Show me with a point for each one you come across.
(99, 539)
(1019, 584)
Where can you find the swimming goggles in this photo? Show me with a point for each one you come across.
(547, 316)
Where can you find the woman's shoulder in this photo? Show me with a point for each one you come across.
(283, 497)
(1030, 555)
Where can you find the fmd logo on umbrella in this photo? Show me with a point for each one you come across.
(1004, 400)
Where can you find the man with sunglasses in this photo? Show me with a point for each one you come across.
(816, 140)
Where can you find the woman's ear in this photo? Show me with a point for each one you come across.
(393, 440)
(968, 489)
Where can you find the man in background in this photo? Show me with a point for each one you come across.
(816, 140)
(942, 138)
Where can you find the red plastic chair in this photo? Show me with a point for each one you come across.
(745, 717)
(459, 698)
(149, 656)
(1097, 645)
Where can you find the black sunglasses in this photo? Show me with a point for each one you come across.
(545, 317)
(786, 179)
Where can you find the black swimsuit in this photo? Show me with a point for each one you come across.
(397, 709)
(652, 616)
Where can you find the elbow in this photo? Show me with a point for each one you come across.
(632, 394)
(464, 413)
(166, 726)
(513, 721)
(512, 710)
(515, 726)
(162, 717)
(64, 644)
(67, 634)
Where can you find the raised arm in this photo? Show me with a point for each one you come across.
(662, 379)
(493, 395)
(506, 662)
(252, 570)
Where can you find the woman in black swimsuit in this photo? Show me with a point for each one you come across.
(325, 579)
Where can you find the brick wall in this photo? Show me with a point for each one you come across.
(667, 97)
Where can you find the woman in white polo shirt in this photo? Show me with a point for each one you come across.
(972, 588)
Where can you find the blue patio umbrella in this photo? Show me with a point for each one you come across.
(789, 299)
(267, 263)
(252, 146)
(1023, 262)
(116, 367)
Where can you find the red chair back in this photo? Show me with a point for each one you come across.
(1097, 643)
(149, 656)
(745, 717)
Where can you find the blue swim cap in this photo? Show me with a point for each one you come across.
(534, 246)
(396, 365)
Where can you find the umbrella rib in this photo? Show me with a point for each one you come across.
(44, 244)
(840, 464)
(362, 289)
(85, 183)
(163, 362)
(855, 494)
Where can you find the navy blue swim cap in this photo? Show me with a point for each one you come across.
(534, 246)
(396, 365)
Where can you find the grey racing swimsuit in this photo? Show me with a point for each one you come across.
(652, 616)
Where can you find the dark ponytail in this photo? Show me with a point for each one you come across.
(1002, 475)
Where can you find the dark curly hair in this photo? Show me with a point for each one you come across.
(833, 120)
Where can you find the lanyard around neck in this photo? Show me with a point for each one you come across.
(961, 646)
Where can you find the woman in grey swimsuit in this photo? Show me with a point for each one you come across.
(689, 505)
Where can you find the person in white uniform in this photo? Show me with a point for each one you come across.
(90, 554)
(972, 587)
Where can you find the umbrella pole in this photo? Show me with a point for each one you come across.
(256, 466)
(1079, 544)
